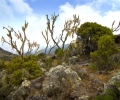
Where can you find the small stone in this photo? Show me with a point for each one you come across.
(38, 85)
(74, 95)
(91, 76)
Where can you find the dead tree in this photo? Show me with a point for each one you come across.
(51, 28)
(46, 39)
(51, 47)
(70, 28)
(115, 28)
(23, 39)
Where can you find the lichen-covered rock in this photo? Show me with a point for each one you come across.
(21, 92)
(37, 83)
(91, 76)
(60, 81)
(112, 88)
(2, 73)
(74, 95)
(37, 97)
(115, 79)
(82, 72)
(73, 60)
(41, 64)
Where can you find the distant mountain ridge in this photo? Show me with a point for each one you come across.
(48, 49)
(6, 55)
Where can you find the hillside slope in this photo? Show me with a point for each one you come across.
(6, 55)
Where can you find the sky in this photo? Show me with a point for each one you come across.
(13, 13)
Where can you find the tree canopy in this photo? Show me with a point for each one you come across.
(90, 33)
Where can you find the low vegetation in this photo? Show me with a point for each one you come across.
(93, 41)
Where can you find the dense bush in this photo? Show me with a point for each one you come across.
(48, 62)
(17, 70)
(59, 52)
(112, 93)
(2, 65)
(41, 56)
(106, 48)
(90, 33)
(30, 57)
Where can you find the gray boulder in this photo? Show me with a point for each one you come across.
(59, 80)
(115, 79)
(21, 92)
(2, 73)
(73, 60)
(82, 72)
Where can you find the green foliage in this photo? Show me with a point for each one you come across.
(90, 33)
(48, 62)
(104, 97)
(30, 57)
(111, 94)
(16, 77)
(59, 52)
(2, 65)
(106, 48)
(92, 66)
(41, 55)
(14, 65)
(17, 70)
(117, 84)
(33, 68)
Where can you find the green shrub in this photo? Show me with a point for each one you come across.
(48, 63)
(2, 65)
(106, 48)
(59, 52)
(41, 55)
(104, 97)
(90, 33)
(16, 77)
(30, 57)
(92, 66)
(33, 68)
(14, 65)
(112, 93)
(17, 70)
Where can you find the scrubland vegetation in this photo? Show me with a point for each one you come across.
(94, 41)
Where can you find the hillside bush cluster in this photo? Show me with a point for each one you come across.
(17, 70)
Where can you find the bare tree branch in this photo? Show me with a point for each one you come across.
(70, 27)
(23, 40)
(51, 29)
(46, 39)
(115, 28)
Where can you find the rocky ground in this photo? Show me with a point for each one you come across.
(72, 81)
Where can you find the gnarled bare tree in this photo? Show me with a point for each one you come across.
(70, 27)
(115, 28)
(23, 39)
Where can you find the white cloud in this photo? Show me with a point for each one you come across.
(5, 9)
(21, 7)
(87, 13)
(37, 24)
